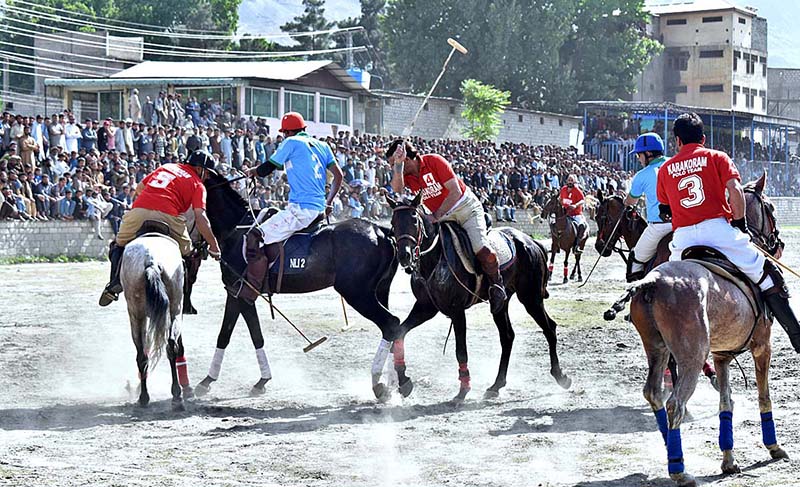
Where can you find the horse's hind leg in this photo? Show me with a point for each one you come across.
(177, 401)
(722, 364)
(183, 372)
(578, 266)
(566, 264)
(232, 311)
(534, 305)
(506, 333)
(460, 331)
(138, 331)
(553, 252)
(250, 314)
(690, 363)
(762, 354)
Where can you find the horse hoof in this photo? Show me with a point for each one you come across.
(382, 393)
(731, 468)
(683, 479)
(460, 397)
(406, 388)
(201, 390)
(144, 402)
(565, 281)
(256, 391)
(491, 394)
(190, 311)
(188, 392)
(778, 454)
(178, 406)
(565, 382)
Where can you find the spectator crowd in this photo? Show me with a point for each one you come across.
(57, 167)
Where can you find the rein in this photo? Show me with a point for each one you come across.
(770, 242)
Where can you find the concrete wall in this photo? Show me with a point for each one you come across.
(41, 239)
(784, 92)
(442, 119)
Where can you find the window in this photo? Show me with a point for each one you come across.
(678, 62)
(452, 110)
(676, 21)
(519, 118)
(425, 107)
(334, 110)
(110, 104)
(302, 103)
(677, 89)
(707, 54)
(711, 89)
(708, 20)
(736, 56)
(742, 21)
(763, 95)
(260, 102)
(764, 70)
(387, 102)
(560, 123)
(541, 120)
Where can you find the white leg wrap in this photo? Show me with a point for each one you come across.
(263, 364)
(216, 363)
(379, 360)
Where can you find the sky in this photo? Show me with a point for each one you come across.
(266, 16)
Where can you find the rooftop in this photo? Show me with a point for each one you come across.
(667, 7)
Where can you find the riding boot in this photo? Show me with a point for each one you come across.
(634, 275)
(578, 238)
(777, 299)
(188, 281)
(257, 266)
(497, 292)
(114, 286)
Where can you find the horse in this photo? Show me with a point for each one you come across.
(615, 222)
(562, 235)
(441, 283)
(355, 257)
(684, 309)
(192, 261)
(151, 274)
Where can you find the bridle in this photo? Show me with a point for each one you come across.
(417, 239)
(769, 241)
(615, 236)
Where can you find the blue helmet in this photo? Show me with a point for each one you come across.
(649, 142)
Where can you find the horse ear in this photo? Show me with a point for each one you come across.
(600, 195)
(391, 201)
(417, 199)
(761, 182)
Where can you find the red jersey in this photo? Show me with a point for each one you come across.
(693, 184)
(172, 190)
(571, 196)
(434, 171)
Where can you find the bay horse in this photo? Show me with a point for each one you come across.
(684, 309)
(355, 257)
(151, 274)
(441, 283)
(562, 237)
(615, 222)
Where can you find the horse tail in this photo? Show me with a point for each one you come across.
(157, 309)
(646, 285)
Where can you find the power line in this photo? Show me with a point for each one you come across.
(21, 63)
(206, 53)
(172, 35)
(45, 59)
(71, 54)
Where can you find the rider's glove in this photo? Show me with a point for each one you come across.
(741, 224)
(664, 212)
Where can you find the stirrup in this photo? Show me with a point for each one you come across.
(108, 297)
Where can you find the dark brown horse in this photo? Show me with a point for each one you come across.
(563, 234)
(441, 283)
(684, 309)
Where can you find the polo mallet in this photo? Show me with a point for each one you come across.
(344, 308)
(605, 247)
(455, 47)
(311, 345)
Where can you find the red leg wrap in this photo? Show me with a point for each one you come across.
(183, 373)
(463, 375)
(708, 370)
(550, 268)
(399, 350)
(566, 271)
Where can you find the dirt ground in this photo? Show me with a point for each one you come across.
(67, 419)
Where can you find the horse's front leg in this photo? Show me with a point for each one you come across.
(722, 364)
(762, 354)
(553, 252)
(460, 331)
(232, 312)
(250, 315)
(422, 311)
(566, 264)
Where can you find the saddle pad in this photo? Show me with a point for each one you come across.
(503, 246)
(499, 242)
(295, 254)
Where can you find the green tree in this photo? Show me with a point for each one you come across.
(483, 106)
(312, 19)
(370, 37)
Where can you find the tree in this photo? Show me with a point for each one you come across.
(312, 19)
(483, 106)
(371, 36)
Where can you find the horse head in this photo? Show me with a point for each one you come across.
(409, 229)
(760, 214)
(225, 207)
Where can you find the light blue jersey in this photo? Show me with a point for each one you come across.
(305, 160)
(644, 184)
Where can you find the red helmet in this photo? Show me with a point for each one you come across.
(292, 121)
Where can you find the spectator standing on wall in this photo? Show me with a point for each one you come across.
(149, 112)
(88, 136)
(38, 132)
(42, 195)
(72, 135)
(135, 106)
(28, 148)
(119, 136)
(56, 131)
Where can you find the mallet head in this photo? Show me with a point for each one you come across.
(455, 45)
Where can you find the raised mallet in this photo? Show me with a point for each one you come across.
(455, 47)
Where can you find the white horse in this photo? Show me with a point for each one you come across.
(152, 279)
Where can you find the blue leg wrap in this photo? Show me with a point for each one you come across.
(768, 429)
(726, 430)
(674, 451)
(661, 419)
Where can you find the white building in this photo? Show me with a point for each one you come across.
(715, 55)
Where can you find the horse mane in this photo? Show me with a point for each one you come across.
(226, 207)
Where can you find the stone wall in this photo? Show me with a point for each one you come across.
(47, 239)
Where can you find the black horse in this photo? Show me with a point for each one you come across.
(356, 257)
(441, 283)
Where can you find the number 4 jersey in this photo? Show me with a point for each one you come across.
(172, 189)
(693, 184)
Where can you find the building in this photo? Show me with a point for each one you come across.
(321, 91)
(784, 92)
(715, 56)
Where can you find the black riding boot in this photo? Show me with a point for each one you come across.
(490, 266)
(578, 238)
(190, 268)
(114, 286)
(777, 299)
(630, 274)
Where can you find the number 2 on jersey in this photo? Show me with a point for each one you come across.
(694, 185)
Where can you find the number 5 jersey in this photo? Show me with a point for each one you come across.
(171, 189)
(693, 184)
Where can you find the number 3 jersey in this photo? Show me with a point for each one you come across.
(171, 189)
(693, 184)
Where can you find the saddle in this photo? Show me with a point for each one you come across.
(716, 262)
(155, 227)
(455, 237)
